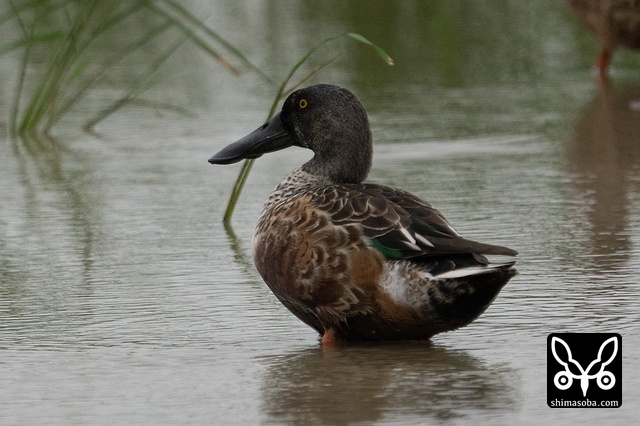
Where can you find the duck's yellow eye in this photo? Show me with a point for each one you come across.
(303, 103)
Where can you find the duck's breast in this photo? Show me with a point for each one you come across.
(315, 268)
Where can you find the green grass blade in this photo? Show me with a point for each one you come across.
(375, 47)
(237, 189)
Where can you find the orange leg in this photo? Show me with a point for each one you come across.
(604, 59)
(329, 338)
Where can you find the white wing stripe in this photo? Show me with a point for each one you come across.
(424, 240)
(408, 235)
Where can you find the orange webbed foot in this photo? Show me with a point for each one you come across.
(329, 338)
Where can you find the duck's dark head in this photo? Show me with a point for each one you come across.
(329, 120)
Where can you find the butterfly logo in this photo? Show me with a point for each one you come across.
(564, 379)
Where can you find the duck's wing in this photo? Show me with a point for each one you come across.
(397, 223)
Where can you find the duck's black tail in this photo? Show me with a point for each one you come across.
(461, 295)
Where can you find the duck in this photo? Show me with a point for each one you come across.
(354, 260)
(615, 22)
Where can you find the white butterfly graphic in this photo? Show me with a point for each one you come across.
(564, 379)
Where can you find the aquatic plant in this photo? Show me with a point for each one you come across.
(66, 36)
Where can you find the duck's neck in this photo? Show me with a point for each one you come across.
(342, 162)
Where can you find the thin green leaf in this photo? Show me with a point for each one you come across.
(375, 47)
(237, 189)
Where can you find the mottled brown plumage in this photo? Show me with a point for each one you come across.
(353, 260)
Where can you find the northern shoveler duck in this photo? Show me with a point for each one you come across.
(615, 23)
(354, 260)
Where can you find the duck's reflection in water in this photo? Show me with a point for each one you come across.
(366, 383)
(604, 162)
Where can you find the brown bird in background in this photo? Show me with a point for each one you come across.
(615, 23)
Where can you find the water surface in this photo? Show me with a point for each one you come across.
(124, 299)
